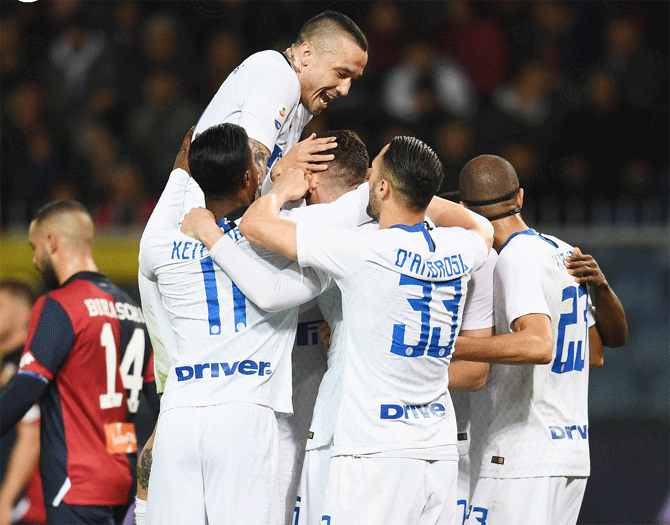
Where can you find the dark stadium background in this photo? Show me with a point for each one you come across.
(96, 96)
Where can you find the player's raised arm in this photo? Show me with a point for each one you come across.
(447, 214)
(261, 224)
(611, 328)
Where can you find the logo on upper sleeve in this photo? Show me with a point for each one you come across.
(281, 115)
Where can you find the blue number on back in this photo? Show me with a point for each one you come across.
(574, 361)
(422, 305)
(212, 296)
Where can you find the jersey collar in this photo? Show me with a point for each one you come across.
(529, 231)
(228, 222)
(418, 227)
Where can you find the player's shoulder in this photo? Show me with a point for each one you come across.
(267, 63)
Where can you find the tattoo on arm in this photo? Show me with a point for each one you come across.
(261, 155)
(144, 469)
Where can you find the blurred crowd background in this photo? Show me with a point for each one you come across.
(96, 95)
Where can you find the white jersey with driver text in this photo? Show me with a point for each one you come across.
(537, 417)
(403, 290)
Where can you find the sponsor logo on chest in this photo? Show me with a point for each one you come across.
(215, 370)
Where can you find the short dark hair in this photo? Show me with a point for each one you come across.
(414, 170)
(329, 20)
(218, 159)
(20, 290)
(56, 208)
(351, 162)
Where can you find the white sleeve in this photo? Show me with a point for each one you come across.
(269, 290)
(523, 283)
(158, 326)
(181, 193)
(479, 307)
(264, 90)
(337, 251)
(170, 205)
(349, 210)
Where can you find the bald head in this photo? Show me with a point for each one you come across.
(69, 219)
(489, 185)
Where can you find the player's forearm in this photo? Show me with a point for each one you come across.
(22, 393)
(22, 462)
(260, 156)
(515, 348)
(610, 317)
(271, 290)
(261, 225)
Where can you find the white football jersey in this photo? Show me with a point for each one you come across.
(478, 314)
(537, 414)
(262, 95)
(403, 290)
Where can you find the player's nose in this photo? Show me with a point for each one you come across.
(343, 88)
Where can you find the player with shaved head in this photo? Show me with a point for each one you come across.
(534, 450)
(86, 359)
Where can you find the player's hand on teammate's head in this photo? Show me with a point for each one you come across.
(181, 161)
(197, 222)
(292, 185)
(585, 269)
(307, 154)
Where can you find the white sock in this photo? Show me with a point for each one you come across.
(140, 511)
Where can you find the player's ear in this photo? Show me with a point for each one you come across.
(305, 53)
(368, 174)
(314, 182)
(52, 242)
(519, 198)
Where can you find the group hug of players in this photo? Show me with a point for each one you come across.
(258, 234)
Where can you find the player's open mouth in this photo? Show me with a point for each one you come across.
(325, 98)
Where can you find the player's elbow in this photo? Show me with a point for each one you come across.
(544, 350)
(618, 339)
(596, 361)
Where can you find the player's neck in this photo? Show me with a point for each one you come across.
(72, 263)
(221, 208)
(393, 215)
(503, 229)
(291, 59)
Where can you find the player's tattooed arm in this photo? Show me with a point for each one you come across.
(144, 469)
(260, 156)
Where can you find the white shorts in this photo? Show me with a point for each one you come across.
(541, 501)
(390, 491)
(309, 503)
(463, 488)
(215, 464)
